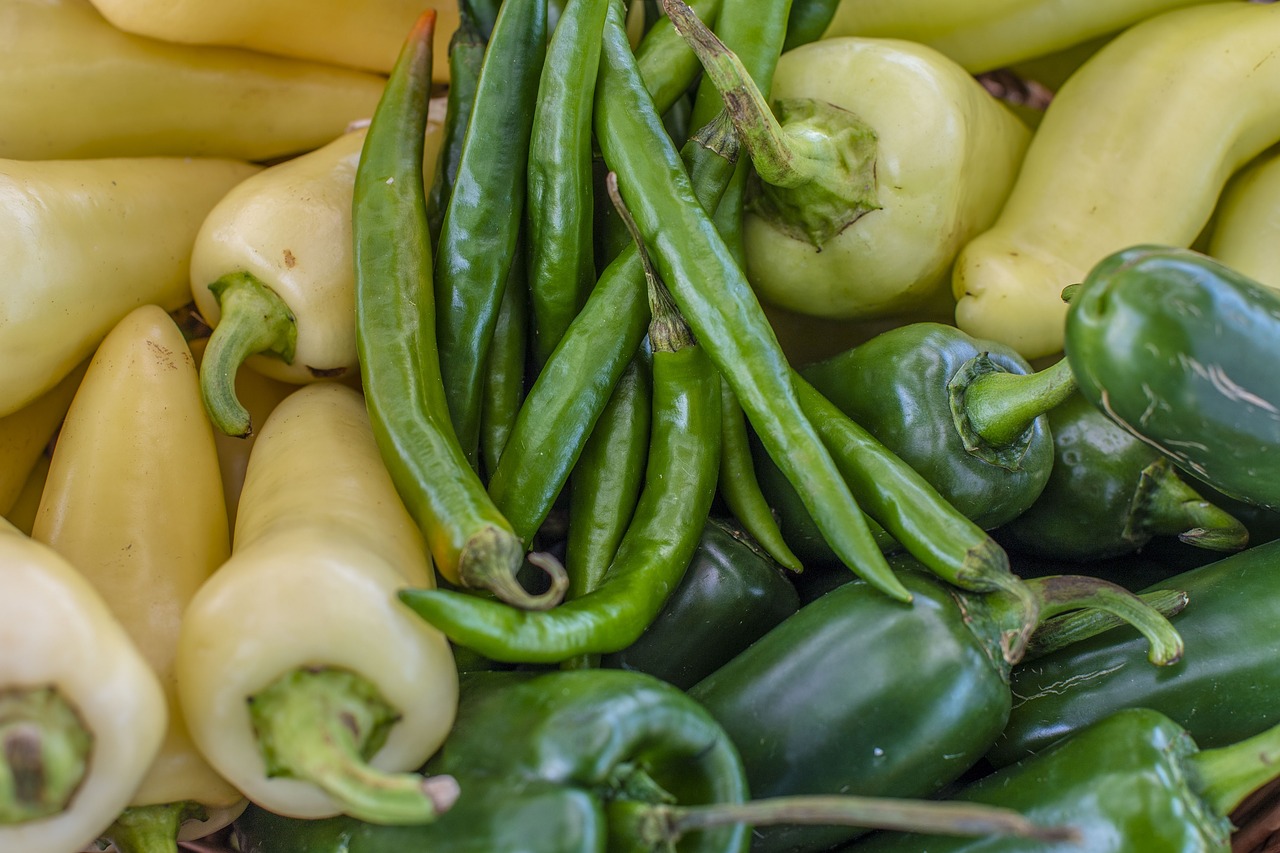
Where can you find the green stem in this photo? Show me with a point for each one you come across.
(1064, 593)
(254, 320)
(151, 829)
(1166, 505)
(1001, 406)
(322, 726)
(1071, 628)
(1228, 774)
(44, 754)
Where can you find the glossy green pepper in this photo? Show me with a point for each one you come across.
(1135, 782)
(858, 694)
(1180, 350)
(1110, 493)
(731, 595)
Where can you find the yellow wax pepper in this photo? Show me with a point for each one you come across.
(76, 699)
(134, 501)
(74, 86)
(1135, 148)
(303, 678)
(84, 243)
(359, 33)
(25, 434)
(22, 514)
(1246, 229)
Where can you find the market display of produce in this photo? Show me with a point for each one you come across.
(505, 426)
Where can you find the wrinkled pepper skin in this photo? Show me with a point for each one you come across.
(1180, 350)
(72, 86)
(858, 694)
(731, 594)
(1126, 784)
(1223, 690)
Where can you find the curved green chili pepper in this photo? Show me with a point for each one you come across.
(471, 543)
(480, 231)
(718, 303)
(466, 56)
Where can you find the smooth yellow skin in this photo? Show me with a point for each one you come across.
(56, 629)
(85, 242)
(1135, 148)
(290, 226)
(1246, 229)
(74, 86)
(22, 514)
(322, 544)
(947, 154)
(134, 501)
(357, 33)
(983, 35)
(25, 434)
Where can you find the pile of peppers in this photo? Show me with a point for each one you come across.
(585, 425)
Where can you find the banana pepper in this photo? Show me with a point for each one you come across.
(85, 242)
(1135, 148)
(81, 713)
(357, 33)
(74, 86)
(134, 500)
(1246, 227)
(303, 679)
(25, 434)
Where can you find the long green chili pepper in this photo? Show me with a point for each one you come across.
(680, 482)
(809, 19)
(470, 541)
(574, 385)
(504, 377)
(716, 300)
(560, 185)
(667, 64)
(480, 231)
(466, 55)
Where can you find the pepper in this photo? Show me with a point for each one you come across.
(1110, 493)
(466, 58)
(81, 713)
(1179, 351)
(87, 241)
(26, 434)
(1243, 231)
(1133, 782)
(363, 35)
(850, 179)
(731, 594)
(134, 501)
(22, 514)
(1221, 691)
(918, 694)
(1207, 61)
(73, 86)
(303, 681)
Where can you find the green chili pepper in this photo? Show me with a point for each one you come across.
(1135, 782)
(730, 596)
(1222, 691)
(714, 297)
(466, 56)
(857, 694)
(1109, 494)
(471, 543)
(809, 19)
(667, 65)
(479, 233)
(1180, 351)
(504, 376)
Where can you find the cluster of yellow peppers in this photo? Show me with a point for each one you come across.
(148, 148)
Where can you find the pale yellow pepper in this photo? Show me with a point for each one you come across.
(25, 434)
(75, 689)
(22, 514)
(85, 242)
(74, 86)
(358, 33)
(1135, 148)
(1246, 227)
(134, 501)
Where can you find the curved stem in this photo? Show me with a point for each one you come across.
(1063, 593)
(254, 320)
(1070, 628)
(1166, 505)
(151, 829)
(1001, 406)
(44, 753)
(494, 556)
(322, 726)
(1228, 774)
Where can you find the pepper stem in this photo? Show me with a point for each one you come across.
(1166, 505)
(322, 726)
(662, 826)
(1077, 626)
(151, 829)
(491, 560)
(254, 320)
(1064, 593)
(1000, 406)
(1226, 775)
(44, 753)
